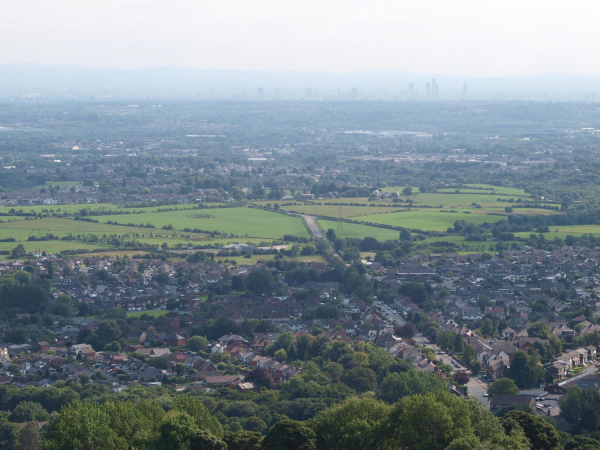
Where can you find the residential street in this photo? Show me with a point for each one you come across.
(389, 313)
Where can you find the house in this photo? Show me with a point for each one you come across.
(174, 340)
(499, 401)
(471, 313)
(496, 312)
(508, 333)
(496, 369)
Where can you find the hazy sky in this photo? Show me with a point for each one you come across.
(460, 37)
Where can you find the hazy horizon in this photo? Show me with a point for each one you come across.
(465, 38)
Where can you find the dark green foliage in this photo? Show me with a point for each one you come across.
(540, 433)
(398, 385)
(243, 440)
(290, 435)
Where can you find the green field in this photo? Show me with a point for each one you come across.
(352, 230)
(333, 210)
(97, 207)
(458, 200)
(562, 232)
(501, 189)
(249, 222)
(428, 219)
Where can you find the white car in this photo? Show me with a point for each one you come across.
(485, 394)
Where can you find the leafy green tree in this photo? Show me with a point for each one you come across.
(355, 424)
(63, 305)
(16, 335)
(487, 328)
(582, 409)
(442, 420)
(458, 343)
(503, 386)
(27, 411)
(70, 431)
(582, 443)
(255, 423)
(9, 434)
(469, 356)
(198, 412)
(539, 329)
(405, 235)
(176, 431)
(398, 385)
(238, 283)
(525, 370)
(331, 236)
(243, 440)
(280, 355)
(260, 282)
(106, 331)
(361, 379)
(196, 343)
(18, 251)
(115, 314)
(261, 377)
(417, 292)
(29, 438)
(206, 441)
(540, 433)
(290, 435)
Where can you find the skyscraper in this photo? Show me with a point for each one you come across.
(464, 94)
(435, 89)
(428, 90)
(411, 90)
(308, 92)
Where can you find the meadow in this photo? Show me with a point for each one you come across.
(58, 210)
(428, 220)
(250, 222)
(334, 210)
(562, 232)
(352, 230)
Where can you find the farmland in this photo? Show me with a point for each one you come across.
(562, 232)
(245, 222)
(352, 230)
(30, 232)
(251, 225)
(346, 211)
(428, 220)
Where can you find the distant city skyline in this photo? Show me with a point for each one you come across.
(468, 37)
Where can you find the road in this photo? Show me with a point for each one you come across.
(313, 227)
(389, 313)
(475, 387)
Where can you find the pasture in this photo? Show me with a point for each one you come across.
(249, 222)
(562, 232)
(352, 230)
(333, 210)
(428, 220)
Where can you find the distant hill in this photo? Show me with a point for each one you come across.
(29, 79)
